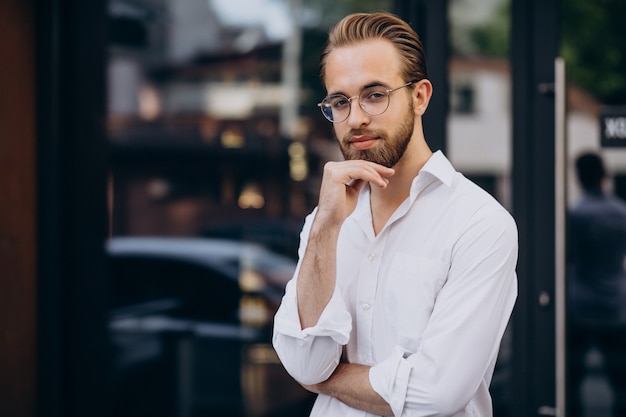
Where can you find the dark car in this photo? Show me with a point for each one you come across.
(190, 327)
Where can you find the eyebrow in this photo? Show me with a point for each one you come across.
(366, 86)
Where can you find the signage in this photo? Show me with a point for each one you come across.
(613, 127)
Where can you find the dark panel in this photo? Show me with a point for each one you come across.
(429, 18)
(71, 68)
(534, 47)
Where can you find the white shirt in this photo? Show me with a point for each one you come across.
(425, 302)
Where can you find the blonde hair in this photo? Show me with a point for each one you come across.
(359, 27)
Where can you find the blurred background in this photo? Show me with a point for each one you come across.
(162, 154)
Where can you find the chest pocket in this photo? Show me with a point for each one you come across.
(409, 295)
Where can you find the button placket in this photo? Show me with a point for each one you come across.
(365, 307)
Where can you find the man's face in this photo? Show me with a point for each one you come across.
(384, 138)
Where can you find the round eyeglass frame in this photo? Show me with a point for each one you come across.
(325, 105)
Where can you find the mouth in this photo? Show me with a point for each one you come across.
(362, 142)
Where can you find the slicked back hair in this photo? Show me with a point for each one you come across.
(359, 27)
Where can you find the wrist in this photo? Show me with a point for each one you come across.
(326, 224)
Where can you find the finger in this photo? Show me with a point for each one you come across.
(377, 175)
(381, 173)
(356, 184)
(381, 169)
(346, 172)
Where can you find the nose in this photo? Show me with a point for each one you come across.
(357, 117)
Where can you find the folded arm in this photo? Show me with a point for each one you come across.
(350, 385)
(458, 348)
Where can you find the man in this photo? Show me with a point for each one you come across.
(406, 278)
(597, 299)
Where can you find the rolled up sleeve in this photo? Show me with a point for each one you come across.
(310, 355)
(390, 379)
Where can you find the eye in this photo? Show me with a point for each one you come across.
(338, 102)
(376, 94)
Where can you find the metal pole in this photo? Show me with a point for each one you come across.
(560, 215)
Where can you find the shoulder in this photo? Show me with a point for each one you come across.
(482, 210)
(475, 198)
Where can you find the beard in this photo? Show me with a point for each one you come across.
(392, 146)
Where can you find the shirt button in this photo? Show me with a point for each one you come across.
(365, 306)
(371, 257)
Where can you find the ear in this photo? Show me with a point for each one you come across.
(422, 92)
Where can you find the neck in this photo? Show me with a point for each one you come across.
(406, 169)
(384, 202)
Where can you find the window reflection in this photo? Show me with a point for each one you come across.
(215, 141)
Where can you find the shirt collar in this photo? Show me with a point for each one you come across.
(438, 167)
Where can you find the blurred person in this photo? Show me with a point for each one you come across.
(596, 251)
(406, 275)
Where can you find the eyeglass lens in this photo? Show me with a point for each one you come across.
(373, 100)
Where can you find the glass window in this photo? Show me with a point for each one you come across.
(214, 133)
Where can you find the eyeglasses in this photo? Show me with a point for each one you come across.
(373, 100)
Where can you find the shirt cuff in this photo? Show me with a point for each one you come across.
(390, 379)
(335, 321)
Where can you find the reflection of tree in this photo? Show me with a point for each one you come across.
(480, 28)
(492, 39)
(594, 47)
(593, 43)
